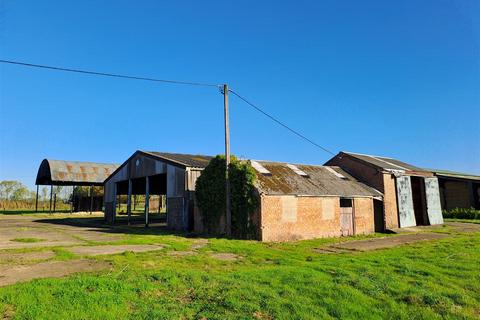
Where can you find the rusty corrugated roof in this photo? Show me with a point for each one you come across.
(60, 172)
(320, 181)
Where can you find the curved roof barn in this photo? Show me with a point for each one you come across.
(69, 173)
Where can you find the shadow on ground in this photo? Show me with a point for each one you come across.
(137, 226)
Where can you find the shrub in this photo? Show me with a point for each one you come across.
(210, 194)
(462, 213)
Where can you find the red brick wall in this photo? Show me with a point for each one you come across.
(364, 217)
(310, 222)
(390, 209)
(363, 172)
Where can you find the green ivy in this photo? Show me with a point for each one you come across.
(210, 194)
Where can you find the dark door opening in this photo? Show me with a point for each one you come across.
(419, 201)
(379, 218)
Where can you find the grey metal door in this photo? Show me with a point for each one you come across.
(432, 193)
(406, 212)
(346, 221)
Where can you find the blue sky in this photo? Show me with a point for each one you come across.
(399, 79)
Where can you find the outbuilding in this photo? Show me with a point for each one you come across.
(306, 201)
(148, 173)
(411, 194)
(74, 173)
(458, 190)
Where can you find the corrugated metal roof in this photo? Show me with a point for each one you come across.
(282, 180)
(187, 160)
(452, 174)
(384, 162)
(60, 172)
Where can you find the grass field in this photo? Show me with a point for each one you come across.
(426, 280)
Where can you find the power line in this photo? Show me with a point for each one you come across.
(281, 123)
(202, 84)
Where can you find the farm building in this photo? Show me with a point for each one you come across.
(307, 201)
(458, 190)
(75, 174)
(410, 194)
(170, 175)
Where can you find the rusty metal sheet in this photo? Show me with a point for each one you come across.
(60, 172)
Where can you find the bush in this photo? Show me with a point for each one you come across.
(462, 213)
(210, 195)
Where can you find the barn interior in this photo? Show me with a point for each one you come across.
(142, 200)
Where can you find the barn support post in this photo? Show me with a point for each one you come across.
(129, 200)
(36, 200)
(73, 199)
(91, 199)
(147, 199)
(114, 210)
(54, 202)
(51, 194)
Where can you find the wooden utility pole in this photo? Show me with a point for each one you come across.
(228, 210)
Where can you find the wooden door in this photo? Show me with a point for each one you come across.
(346, 221)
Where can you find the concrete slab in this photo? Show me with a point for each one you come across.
(17, 258)
(388, 242)
(52, 269)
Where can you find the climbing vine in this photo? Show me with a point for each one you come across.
(210, 194)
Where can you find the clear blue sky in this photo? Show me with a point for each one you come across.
(392, 78)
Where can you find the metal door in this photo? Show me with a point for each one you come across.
(432, 193)
(346, 221)
(406, 212)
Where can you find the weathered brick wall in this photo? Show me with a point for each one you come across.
(390, 209)
(311, 221)
(363, 172)
(364, 216)
(175, 213)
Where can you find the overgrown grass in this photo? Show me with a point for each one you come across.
(426, 280)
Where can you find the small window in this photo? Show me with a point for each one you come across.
(345, 203)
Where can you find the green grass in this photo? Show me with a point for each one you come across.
(27, 240)
(427, 280)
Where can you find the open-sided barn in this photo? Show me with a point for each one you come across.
(149, 173)
(74, 173)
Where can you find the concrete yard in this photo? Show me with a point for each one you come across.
(30, 244)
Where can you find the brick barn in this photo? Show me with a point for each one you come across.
(458, 190)
(307, 201)
(411, 194)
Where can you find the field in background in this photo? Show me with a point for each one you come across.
(197, 278)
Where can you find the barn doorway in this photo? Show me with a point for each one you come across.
(347, 226)
(419, 201)
(379, 218)
(148, 200)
